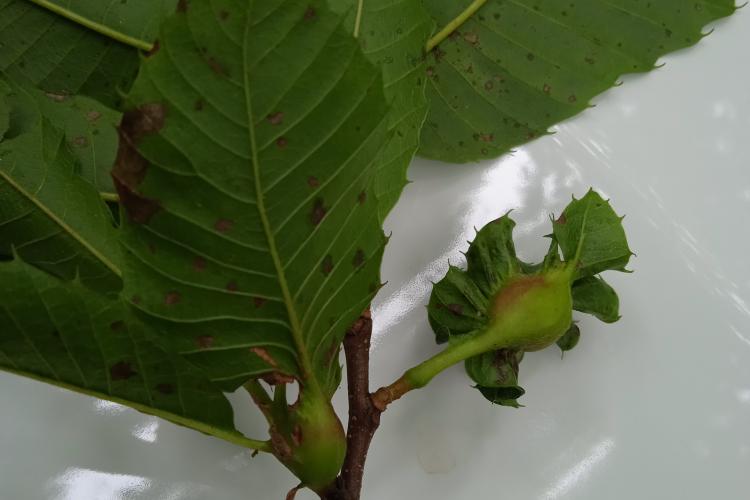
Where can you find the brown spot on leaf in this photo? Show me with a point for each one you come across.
(455, 309)
(263, 354)
(117, 326)
(486, 137)
(327, 265)
(313, 181)
(359, 258)
(81, 141)
(361, 197)
(223, 225)
(204, 341)
(154, 49)
(223, 15)
(259, 302)
(122, 370)
(172, 298)
(139, 208)
(310, 14)
(93, 115)
(199, 264)
(572, 98)
(151, 248)
(471, 37)
(547, 89)
(232, 286)
(275, 118)
(182, 6)
(146, 119)
(562, 219)
(198, 106)
(165, 388)
(135, 299)
(135, 125)
(130, 167)
(216, 66)
(318, 211)
(502, 358)
(488, 85)
(297, 435)
(281, 142)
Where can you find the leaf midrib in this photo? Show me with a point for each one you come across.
(304, 360)
(93, 25)
(67, 228)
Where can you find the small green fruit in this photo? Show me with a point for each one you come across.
(530, 312)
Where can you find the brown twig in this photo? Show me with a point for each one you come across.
(364, 417)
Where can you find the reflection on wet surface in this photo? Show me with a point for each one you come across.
(148, 431)
(80, 484)
(580, 470)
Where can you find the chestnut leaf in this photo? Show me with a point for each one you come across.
(246, 169)
(514, 69)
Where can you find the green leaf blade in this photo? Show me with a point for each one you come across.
(133, 23)
(593, 295)
(457, 306)
(90, 133)
(49, 215)
(253, 233)
(392, 35)
(62, 57)
(491, 258)
(66, 335)
(591, 233)
(496, 376)
(569, 339)
(516, 68)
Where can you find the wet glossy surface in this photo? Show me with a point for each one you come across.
(655, 406)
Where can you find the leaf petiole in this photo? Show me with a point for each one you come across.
(113, 197)
(454, 24)
(358, 18)
(99, 28)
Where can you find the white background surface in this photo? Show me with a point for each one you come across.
(655, 406)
